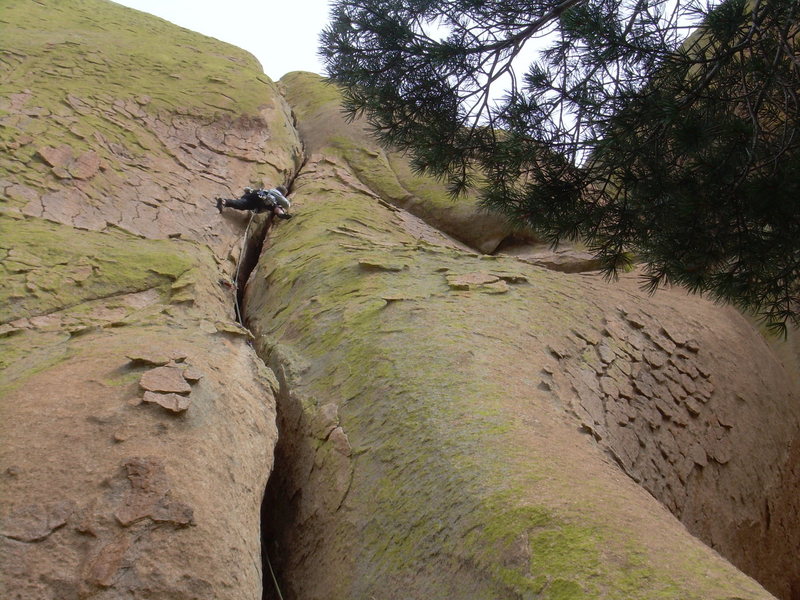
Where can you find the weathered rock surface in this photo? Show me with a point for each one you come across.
(503, 421)
(137, 433)
(564, 259)
(105, 497)
(99, 131)
(387, 175)
(453, 425)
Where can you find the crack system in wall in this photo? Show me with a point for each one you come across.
(252, 244)
(278, 511)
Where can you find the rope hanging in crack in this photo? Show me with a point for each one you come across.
(274, 579)
(238, 267)
(240, 320)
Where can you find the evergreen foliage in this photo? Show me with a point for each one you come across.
(659, 129)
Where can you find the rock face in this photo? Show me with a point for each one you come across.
(387, 174)
(452, 424)
(137, 424)
(101, 131)
(457, 425)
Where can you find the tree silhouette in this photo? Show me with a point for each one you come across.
(656, 130)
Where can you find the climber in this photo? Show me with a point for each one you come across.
(259, 201)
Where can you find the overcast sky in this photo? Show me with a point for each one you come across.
(282, 34)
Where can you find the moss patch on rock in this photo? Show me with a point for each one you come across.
(47, 266)
(88, 49)
(99, 100)
(463, 471)
(387, 174)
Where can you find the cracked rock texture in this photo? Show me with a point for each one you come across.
(137, 424)
(469, 426)
(452, 424)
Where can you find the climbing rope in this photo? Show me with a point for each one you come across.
(271, 572)
(238, 267)
(241, 322)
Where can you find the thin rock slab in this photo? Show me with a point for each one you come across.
(172, 402)
(165, 380)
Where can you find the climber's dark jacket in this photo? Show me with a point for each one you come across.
(257, 200)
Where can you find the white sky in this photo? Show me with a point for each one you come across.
(282, 34)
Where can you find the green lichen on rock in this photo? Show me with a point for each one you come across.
(90, 49)
(464, 480)
(387, 174)
(61, 284)
(25, 352)
(49, 267)
(105, 97)
(310, 95)
(116, 131)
